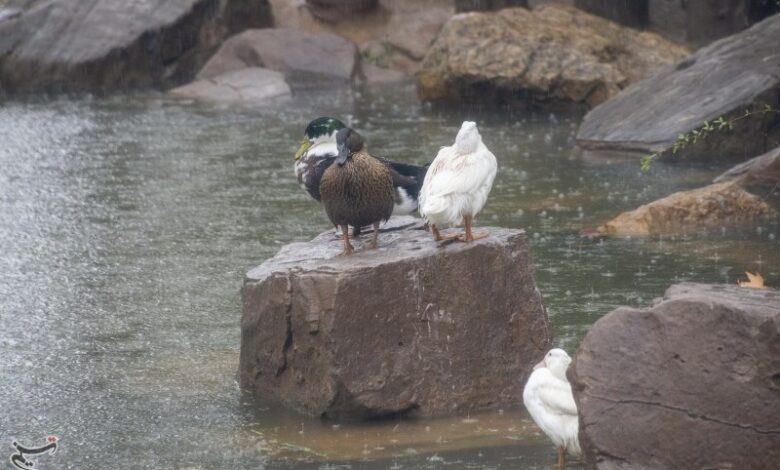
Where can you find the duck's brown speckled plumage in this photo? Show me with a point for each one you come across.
(359, 193)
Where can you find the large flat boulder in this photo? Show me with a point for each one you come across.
(296, 54)
(251, 86)
(410, 328)
(693, 382)
(551, 54)
(732, 75)
(103, 45)
(714, 206)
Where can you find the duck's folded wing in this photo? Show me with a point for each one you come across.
(401, 180)
(458, 174)
(556, 397)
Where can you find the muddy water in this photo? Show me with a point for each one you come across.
(127, 223)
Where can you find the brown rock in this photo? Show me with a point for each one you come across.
(737, 73)
(294, 53)
(692, 383)
(551, 54)
(97, 45)
(763, 170)
(687, 211)
(251, 86)
(410, 328)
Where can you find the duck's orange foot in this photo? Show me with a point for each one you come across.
(470, 237)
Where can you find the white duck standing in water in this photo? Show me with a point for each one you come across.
(548, 398)
(457, 184)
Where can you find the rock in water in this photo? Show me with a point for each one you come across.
(551, 54)
(694, 382)
(297, 54)
(251, 86)
(713, 206)
(763, 170)
(695, 22)
(97, 45)
(409, 328)
(734, 74)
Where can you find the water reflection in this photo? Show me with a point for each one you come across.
(127, 223)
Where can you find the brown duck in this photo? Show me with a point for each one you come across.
(358, 189)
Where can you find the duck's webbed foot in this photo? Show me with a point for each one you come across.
(470, 236)
(437, 236)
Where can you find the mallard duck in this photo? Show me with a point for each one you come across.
(458, 183)
(548, 398)
(318, 151)
(358, 189)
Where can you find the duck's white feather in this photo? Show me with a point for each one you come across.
(549, 400)
(459, 179)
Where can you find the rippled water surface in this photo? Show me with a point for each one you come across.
(127, 223)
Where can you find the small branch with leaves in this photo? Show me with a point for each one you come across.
(701, 133)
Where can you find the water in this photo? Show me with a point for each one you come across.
(127, 223)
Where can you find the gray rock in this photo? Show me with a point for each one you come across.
(693, 382)
(250, 86)
(694, 22)
(95, 45)
(699, 22)
(724, 79)
(400, 31)
(487, 5)
(549, 55)
(763, 170)
(374, 74)
(296, 54)
(410, 328)
(633, 13)
(340, 10)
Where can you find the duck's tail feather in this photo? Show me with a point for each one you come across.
(410, 177)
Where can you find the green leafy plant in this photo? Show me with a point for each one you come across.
(701, 133)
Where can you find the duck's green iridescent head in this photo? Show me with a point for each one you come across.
(322, 129)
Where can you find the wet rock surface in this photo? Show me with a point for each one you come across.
(96, 45)
(487, 5)
(250, 86)
(395, 34)
(410, 328)
(693, 382)
(735, 74)
(763, 170)
(299, 55)
(551, 54)
(713, 206)
(695, 22)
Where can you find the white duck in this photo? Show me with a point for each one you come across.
(548, 398)
(458, 183)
